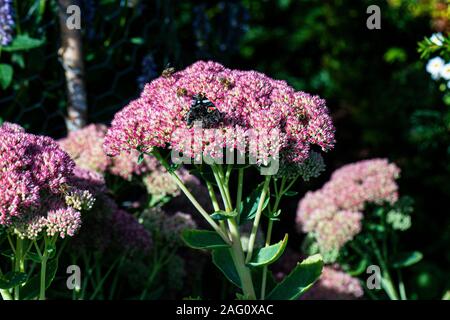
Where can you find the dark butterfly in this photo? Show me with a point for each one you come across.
(204, 111)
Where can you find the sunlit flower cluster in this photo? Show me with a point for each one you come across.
(333, 214)
(261, 117)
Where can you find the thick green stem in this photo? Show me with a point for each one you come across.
(213, 197)
(19, 264)
(262, 199)
(44, 260)
(239, 189)
(190, 196)
(43, 272)
(278, 194)
(265, 268)
(216, 206)
(401, 286)
(222, 187)
(386, 280)
(238, 256)
(236, 248)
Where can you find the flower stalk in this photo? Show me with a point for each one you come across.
(262, 199)
(190, 196)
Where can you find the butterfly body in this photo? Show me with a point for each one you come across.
(204, 111)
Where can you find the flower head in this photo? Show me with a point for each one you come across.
(63, 222)
(160, 184)
(85, 147)
(59, 220)
(260, 116)
(333, 214)
(32, 169)
(434, 67)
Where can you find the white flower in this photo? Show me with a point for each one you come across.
(434, 67)
(445, 72)
(437, 39)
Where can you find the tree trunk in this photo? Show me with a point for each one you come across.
(71, 58)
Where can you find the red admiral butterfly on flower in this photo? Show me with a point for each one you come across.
(204, 111)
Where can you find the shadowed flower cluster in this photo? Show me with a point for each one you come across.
(106, 226)
(334, 284)
(333, 214)
(166, 228)
(85, 147)
(36, 190)
(130, 233)
(260, 117)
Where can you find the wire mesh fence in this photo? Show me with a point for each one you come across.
(125, 44)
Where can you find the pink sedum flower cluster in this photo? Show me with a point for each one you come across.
(62, 222)
(255, 109)
(333, 214)
(85, 146)
(36, 190)
(334, 284)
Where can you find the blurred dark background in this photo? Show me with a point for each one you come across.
(383, 102)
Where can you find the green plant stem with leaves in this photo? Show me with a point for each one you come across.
(160, 258)
(19, 263)
(230, 236)
(225, 241)
(273, 213)
(22, 282)
(189, 195)
(47, 253)
(237, 253)
(386, 281)
(262, 199)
